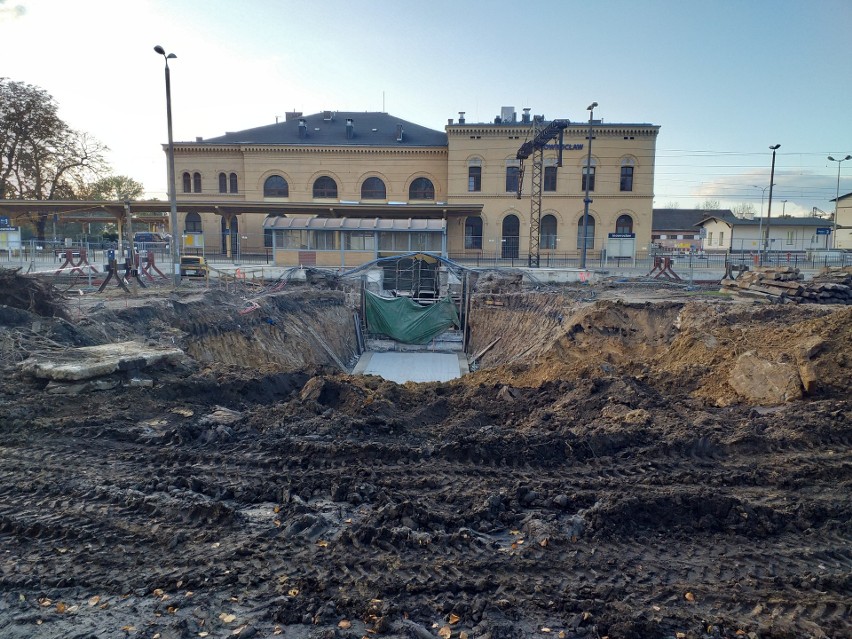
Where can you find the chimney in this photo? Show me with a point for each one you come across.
(525, 118)
(292, 115)
(327, 116)
(449, 122)
(399, 133)
(199, 139)
(303, 128)
(461, 117)
(350, 126)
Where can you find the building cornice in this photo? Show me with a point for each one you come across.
(192, 148)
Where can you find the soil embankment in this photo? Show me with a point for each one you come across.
(604, 474)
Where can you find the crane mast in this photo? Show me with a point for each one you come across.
(543, 134)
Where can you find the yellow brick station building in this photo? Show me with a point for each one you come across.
(338, 189)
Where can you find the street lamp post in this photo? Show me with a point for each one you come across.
(587, 200)
(760, 221)
(172, 192)
(837, 199)
(774, 148)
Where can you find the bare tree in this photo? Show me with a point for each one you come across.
(42, 157)
(710, 205)
(744, 211)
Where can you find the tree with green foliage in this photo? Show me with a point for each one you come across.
(41, 157)
(113, 187)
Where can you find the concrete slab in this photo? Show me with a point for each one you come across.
(94, 361)
(412, 367)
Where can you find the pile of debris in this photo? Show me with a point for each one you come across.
(785, 284)
(30, 294)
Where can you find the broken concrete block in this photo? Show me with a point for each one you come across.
(765, 382)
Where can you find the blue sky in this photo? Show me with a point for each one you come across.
(724, 79)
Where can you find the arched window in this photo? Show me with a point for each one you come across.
(624, 224)
(589, 175)
(196, 182)
(421, 189)
(276, 186)
(233, 183)
(187, 183)
(325, 187)
(192, 223)
(223, 183)
(473, 232)
(627, 165)
(590, 233)
(547, 232)
(511, 236)
(373, 189)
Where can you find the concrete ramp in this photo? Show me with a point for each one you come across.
(401, 367)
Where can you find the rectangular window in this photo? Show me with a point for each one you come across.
(791, 236)
(360, 241)
(323, 240)
(474, 178)
(721, 238)
(588, 174)
(512, 173)
(549, 178)
(267, 238)
(293, 240)
(422, 241)
(393, 241)
(709, 238)
(626, 178)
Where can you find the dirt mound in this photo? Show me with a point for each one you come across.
(693, 347)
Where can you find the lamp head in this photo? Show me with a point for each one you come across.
(170, 56)
(848, 157)
(160, 50)
(774, 146)
(591, 106)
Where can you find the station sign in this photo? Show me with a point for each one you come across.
(823, 230)
(621, 236)
(4, 222)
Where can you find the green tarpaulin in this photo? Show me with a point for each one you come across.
(406, 321)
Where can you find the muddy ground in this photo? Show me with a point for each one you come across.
(614, 469)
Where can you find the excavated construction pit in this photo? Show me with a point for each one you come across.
(619, 467)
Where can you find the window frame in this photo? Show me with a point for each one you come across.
(421, 188)
(472, 239)
(322, 188)
(474, 178)
(368, 193)
(619, 227)
(549, 179)
(548, 241)
(277, 191)
(513, 177)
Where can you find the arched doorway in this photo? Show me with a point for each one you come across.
(511, 237)
(234, 235)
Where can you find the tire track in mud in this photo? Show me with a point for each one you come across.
(429, 519)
